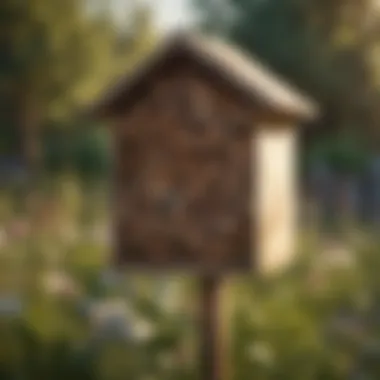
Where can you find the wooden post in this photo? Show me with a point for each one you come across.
(214, 351)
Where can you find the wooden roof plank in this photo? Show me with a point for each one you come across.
(245, 72)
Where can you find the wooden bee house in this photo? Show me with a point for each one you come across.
(204, 144)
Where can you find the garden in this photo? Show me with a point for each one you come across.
(65, 312)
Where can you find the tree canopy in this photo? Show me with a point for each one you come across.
(329, 49)
(56, 56)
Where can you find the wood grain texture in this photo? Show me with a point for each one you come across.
(182, 174)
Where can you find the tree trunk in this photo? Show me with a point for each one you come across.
(31, 147)
(347, 201)
(29, 124)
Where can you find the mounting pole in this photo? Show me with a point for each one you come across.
(214, 349)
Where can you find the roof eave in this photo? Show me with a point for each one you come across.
(304, 109)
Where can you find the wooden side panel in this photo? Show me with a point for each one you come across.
(183, 176)
(275, 203)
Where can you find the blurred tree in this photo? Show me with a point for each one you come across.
(55, 58)
(91, 154)
(329, 49)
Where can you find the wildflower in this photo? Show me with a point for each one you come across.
(58, 283)
(142, 330)
(337, 256)
(261, 352)
(10, 306)
(115, 319)
(102, 311)
(101, 235)
(169, 295)
(110, 278)
(111, 319)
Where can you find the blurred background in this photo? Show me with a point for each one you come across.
(65, 313)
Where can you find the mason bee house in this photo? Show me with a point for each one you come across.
(204, 143)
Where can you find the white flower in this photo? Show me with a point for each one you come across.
(59, 283)
(109, 309)
(170, 296)
(261, 352)
(142, 330)
(337, 256)
(116, 314)
(101, 234)
(111, 319)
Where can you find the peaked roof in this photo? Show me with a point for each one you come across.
(241, 70)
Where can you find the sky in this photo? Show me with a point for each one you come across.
(169, 13)
(172, 13)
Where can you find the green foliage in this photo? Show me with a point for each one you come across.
(82, 150)
(317, 321)
(281, 35)
(309, 324)
(328, 49)
(56, 150)
(56, 58)
(343, 154)
(92, 154)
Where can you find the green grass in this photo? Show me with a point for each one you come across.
(281, 327)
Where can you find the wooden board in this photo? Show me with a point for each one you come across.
(275, 200)
(183, 177)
